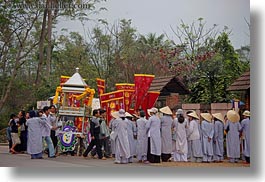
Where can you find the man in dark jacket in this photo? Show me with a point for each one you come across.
(94, 131)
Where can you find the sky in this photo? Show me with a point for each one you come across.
(157, 16)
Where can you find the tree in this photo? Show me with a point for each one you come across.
(17, 40)
(215, 74)
(52, 10)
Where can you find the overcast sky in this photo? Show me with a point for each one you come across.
(156, 16)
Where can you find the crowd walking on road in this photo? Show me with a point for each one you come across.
(155, 136)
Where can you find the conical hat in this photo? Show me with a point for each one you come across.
(136, 116)
(194, 115)
(166, 110)
(219, 116)
(246, 113)
(207, 117)
(114, 114)
(233, 116)
(153, 110)
(128, 115)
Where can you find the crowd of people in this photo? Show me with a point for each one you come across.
(152, 137)
(29, 132)
(167, 136)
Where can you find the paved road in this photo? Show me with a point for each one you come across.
(20, 160)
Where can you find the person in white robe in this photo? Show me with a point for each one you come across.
(207, 128)
(122, 146)
(112, 127)
(233, 128)
(131, 132)
(34, 142)
(141, 147)
(153, 127)
(180, 149)
(166, 133)
(245, 123)
(218, 139)
(194, 141)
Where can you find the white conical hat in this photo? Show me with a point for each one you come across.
(246, 113)
(194, 115)
(233, 116)
(152, 110)
(219, 116)
(207, 116)
(114, 114)
(128, 115)
(166, 110)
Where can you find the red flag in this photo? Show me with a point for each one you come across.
(101, 86)
(63, 79)
(128, 89)
(142, 84)
(150, 100)
(112, 101)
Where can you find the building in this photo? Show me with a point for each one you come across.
(242, 86)
(172, 91)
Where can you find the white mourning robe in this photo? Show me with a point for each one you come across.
(153, 128)
(174, 132)
(166, 134)
(122, 147)
(34, 142)
(207, 132)
(131, 131)
(141, 147)
(195, 145)
(232, 139)
(181, 137)
(245, 123)
(112, 127)
(218, 145)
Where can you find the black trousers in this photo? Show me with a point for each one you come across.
(23, 138)
(94, 142)
(151, 157)
(107, 148)
(247, 159)
(54, 138)
(165, 157)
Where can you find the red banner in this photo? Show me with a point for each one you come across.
(125, 86)
(112, 101)
(101, 86)
(142, 84)
(149, 100)
(64, 79)
(128, 89)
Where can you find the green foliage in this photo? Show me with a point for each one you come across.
(214, 75)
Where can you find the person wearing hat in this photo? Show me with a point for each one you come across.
(166, 133)
(141, 146)
(233, 128)
(218, 139)
(122, 146)
(194, 141)
(112, 127)
(132, 132)
(245, 123)
(180, 144)
(207, 128)
(153, 127)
